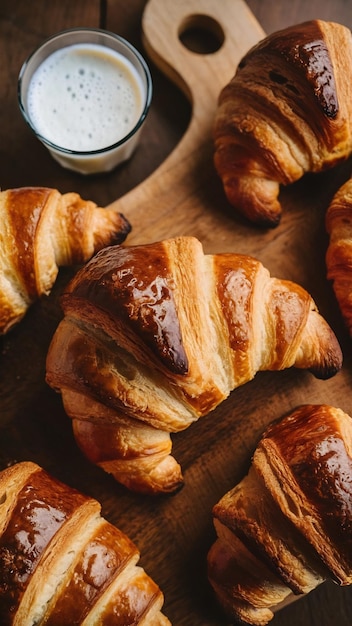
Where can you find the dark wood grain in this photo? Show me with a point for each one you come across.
(173, 533)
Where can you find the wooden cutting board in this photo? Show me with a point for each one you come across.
(184, 197)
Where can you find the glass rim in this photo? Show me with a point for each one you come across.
(148, 96)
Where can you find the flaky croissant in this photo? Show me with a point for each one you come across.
(155, 336)
(287, 111)
(61, 563)
(287, 526)
(41, 230)
(339, 251)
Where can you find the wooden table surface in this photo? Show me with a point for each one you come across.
(173, 533)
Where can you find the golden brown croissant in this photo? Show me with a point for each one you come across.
(287, 526)
(62, 563)
(339, 252)
(41, 230)
(155, 336)
(287, 111)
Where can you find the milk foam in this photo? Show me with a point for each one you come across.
(85, 97)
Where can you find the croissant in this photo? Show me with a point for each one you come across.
(62, 563)
(155, 336)
(339, 251)
(41, 230)
(286, 111)
(287, 526)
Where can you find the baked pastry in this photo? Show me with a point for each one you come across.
(287, 111)
(62, 563)
(155, 336)
(339, 251)
(287, 526)
(41, 230)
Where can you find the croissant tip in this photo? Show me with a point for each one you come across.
(154, 490)
(254, 210)
(269, 222)
(327, 369)
(325, 372)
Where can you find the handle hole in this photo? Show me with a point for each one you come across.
(201, 34)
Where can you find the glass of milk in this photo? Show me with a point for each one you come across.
(86, 93)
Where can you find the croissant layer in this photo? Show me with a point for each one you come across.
(156, 336)
(286, 111)
(286, 527)
(339, 251)
(62, 563)
(42, 230)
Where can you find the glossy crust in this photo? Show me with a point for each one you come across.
(62, 563)
(156, 336)
(42, 230)
(287, 526)
(287, 111)
(339, 252)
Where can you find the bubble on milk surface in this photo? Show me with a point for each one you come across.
(84, 99)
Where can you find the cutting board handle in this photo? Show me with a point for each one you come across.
(201, 77)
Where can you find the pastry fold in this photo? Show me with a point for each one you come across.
(287, 526)
(155, 336)
(287, 111)
(40, 231)
(61, 562)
